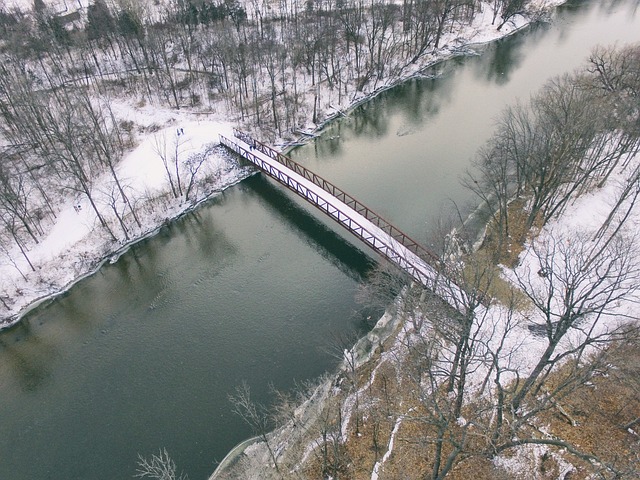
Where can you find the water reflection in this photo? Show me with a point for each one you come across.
(505, 56)
(155, 342)
(580, 6)
(330, 245)
(425, 97)
(417, 101)
(28, 357)
(371, 120)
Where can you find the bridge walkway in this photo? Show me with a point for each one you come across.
(421, 264)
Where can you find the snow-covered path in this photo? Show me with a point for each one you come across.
(76, 246)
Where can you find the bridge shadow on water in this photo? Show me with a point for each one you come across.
(351, 260)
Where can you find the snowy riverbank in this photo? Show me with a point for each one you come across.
(75, 248)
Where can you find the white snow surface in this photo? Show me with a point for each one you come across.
(379, 464)
(75, 244)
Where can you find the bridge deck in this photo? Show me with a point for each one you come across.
(378, 234)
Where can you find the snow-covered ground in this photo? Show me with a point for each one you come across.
(74, 246)
(58, 6)
(520, 350)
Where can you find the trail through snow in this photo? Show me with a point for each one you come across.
(76, 245)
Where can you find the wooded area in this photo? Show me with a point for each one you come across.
(552, 362)
(273, 66)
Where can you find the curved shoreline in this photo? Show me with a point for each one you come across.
(308, 136)
(233, 456)
(238, 450)
(113, 256)
(363, 350)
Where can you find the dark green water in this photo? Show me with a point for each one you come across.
(254, 286)
(144, 354)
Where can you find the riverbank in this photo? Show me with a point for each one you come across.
(248, 459)
(76, 248)
(480, 32)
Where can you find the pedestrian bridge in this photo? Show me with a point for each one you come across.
(421, 264)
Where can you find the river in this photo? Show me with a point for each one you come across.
(255, 285)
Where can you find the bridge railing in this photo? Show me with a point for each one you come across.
(341, 195)
(427, 277)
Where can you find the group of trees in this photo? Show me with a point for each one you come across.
(59, 140)
(260, 57)
(271, 64)
(455, 391)
(579, 131)
(567, 140)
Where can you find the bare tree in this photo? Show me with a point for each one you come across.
(159, 466)
(614, 74)
(6, 252)
(169, 152)
(420, 25)
(112, 199)
(14, 229)
(444, 437)
(330, 448)
(382, 45)
(573, 284)
(509, 9)
(193, 164)
(255, 415)
(14, 199)
(560, 145)
(107, 142)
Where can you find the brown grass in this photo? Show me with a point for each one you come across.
(492, 284)
(506, 251)
(599, 408)
(496, 251)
